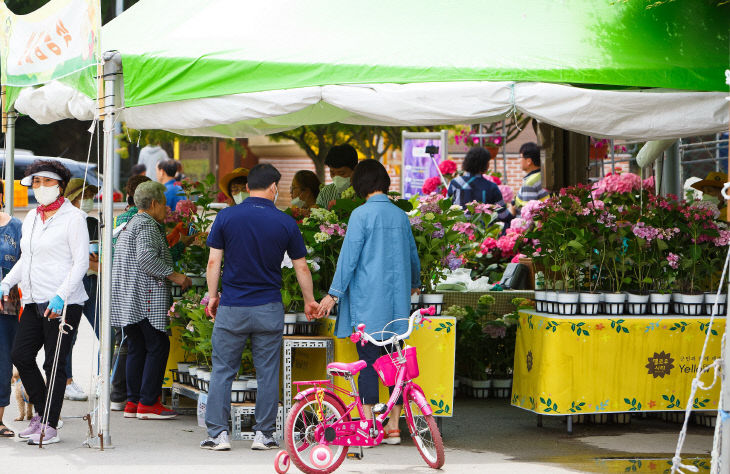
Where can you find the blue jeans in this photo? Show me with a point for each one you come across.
(264, 324)
(8, 328)
(90, 311)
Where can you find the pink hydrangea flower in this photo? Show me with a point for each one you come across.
(431, 184)
(492, 178)
(530, 209)
(508, 195)
(488, 244)
(186, 208)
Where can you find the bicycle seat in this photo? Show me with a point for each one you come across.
(345, 368)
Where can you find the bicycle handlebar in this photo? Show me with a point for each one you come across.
(416, 317)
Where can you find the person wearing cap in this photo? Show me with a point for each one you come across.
(53, 261)
(710, 187)
(9, 254)
(341, 160)
(81, 196)
(233, 185)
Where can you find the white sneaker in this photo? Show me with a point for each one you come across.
(261, 442)
(117, 406)
(74, 392)
(219, 443)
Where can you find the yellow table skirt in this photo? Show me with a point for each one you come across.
(435, 343)
(568, 365)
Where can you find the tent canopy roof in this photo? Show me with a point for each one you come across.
(186, 49)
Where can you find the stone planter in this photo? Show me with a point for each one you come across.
(636, 304)
(659, 303)
(567, 303)
(590, 303)
(433, 299)
(613, 303)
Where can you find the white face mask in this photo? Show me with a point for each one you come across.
(87, 205)
(238, 198)
(276, 194)
(298, 202)
(46, 194)
(341, 183)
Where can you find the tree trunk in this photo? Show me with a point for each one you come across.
(319, 166)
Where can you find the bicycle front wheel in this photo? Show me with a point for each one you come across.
(301, 423)
(424, 432)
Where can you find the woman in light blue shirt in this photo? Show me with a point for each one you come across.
(377, 270)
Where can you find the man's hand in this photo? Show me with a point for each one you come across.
(311, 309)
(212, 308)
(55, 308)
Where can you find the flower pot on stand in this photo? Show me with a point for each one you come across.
(540, 300)
(636, 304)
(501, 388)
(659, 303)
(551, 302)
(710, 299)
(193, 373)
(567, 303)
(433, 299)
(290, 323)
(590, 303)
(692, 305)
(203, 378)
(415, 302)
(614, 303)
(480, 388)
(183, 369)
(238, 390)
(677, 303)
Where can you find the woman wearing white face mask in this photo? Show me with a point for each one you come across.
(304, 189)
(81, 195)
(54, 259)
(233, 185)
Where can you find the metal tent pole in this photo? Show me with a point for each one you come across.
(112, 68)
(10, 162)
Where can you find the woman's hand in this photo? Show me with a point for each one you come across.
(325, 306)
(94, 262)
(187, 239)
(180, 279)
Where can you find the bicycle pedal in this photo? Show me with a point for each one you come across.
(380, 408)
(355, 452)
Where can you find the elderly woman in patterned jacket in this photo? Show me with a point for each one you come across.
(142, 272)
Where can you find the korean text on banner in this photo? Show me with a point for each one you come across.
(53, 42)
(417, 164)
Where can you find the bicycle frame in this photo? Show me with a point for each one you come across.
(353, 433)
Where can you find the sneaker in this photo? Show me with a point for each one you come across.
(119, 406)
(158, 411)
(262, 442)
(219, 443)
(392, 437)
(59, 425)
(50, 437)
(74, 392)
(130, 410)
(34, 427)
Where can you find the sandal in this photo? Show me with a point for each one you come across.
(392, 437)
(6, 432)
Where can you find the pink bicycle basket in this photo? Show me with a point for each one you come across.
(387, 369)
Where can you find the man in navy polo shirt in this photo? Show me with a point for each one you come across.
(253, 236)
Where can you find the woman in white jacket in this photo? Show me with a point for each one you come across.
(54, 259)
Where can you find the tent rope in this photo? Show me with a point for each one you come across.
(677, 466)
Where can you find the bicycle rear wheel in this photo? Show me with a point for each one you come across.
(301, 423)
(426, 435)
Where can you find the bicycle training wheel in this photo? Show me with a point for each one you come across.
(299, 433)
(426, 435)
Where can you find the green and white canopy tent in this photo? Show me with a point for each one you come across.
(234, 68)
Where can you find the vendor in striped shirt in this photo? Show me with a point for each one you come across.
(341, 160)
(531, 189)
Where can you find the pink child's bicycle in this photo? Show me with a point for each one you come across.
(319, 428)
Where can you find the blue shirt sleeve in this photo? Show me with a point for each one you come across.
(349, 255)
(296, 248)
(215, 237)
